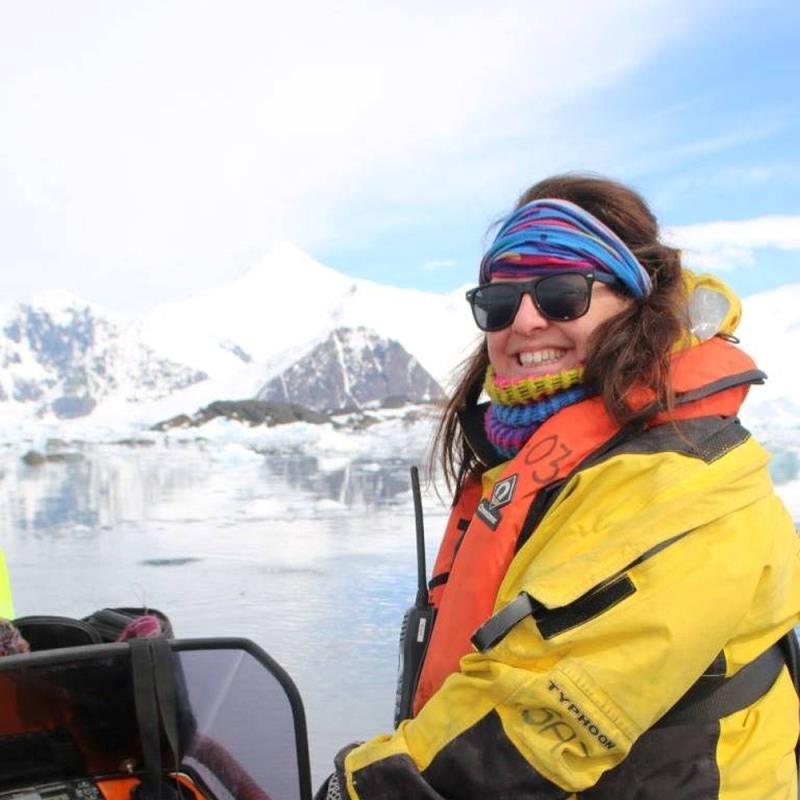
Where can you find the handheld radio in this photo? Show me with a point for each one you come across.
(415, 632)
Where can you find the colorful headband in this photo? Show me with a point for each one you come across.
(550, 233)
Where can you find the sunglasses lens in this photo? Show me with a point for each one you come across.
(563, 297)
(495, 305)
(559, 297)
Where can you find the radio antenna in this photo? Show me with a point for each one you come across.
(422, 584)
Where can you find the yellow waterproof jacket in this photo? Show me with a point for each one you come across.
(6, 606)
(686, 520)
(532, 716)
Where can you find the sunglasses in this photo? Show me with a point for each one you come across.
(560, 297)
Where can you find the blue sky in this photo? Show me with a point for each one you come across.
(150, 150)
(709, 130)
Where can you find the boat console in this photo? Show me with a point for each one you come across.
(112, 788)
(68, 790)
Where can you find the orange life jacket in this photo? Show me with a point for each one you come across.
(482, 535)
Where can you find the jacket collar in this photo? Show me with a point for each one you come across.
(724, 368)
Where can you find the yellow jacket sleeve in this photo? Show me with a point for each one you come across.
(6, 604)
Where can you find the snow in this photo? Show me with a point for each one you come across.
(287, 292)
(342, 365)
(770, 332)
(333, 444)
(58, 303)
(241, 335)
(289, 302)
(281, 309)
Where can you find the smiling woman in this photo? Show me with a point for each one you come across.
(619, 343)
(615, 590)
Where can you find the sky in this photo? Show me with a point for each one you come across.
(149, 150)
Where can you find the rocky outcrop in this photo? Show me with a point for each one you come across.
(33, 458)
(249, 412)
(352, 369)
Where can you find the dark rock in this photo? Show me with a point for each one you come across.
(363, 421)
(352, 369)
(33, 458)
(180, 421)
(135, 442)
(395, 401)
(55, 444)
(354, 421)
(260, 412)
(250, 412)
(64, 458)
(237, 351)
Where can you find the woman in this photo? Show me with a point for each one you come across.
(616, 552)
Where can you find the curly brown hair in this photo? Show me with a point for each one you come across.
(632, 349)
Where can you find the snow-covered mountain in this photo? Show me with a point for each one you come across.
(63, 356)
(288, 303)
(352, 368)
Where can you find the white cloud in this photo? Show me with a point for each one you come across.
(726, 245)
(156, 145)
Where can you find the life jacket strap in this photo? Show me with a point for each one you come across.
(710, 698)
(714, 697)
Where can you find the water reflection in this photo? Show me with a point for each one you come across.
(357, 483)
(118, 485)
(107, 487)
(111, 486)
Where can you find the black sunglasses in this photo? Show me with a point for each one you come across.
(561, 297)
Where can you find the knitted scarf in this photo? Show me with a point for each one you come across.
(518, 408)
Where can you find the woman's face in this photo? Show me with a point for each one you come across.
(533, 345)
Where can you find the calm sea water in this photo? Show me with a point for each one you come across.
(312, 559)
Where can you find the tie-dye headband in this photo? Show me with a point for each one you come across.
(550, 233)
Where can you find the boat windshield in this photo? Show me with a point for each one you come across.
(68, 714)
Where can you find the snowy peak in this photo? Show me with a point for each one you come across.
(351, 369)
(288, 300)
(63, 357)
(284, 299)
(286, 260)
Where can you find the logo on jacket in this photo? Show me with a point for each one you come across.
(502, 494)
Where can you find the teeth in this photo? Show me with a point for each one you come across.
(540, 357)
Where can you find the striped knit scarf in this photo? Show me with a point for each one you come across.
(519, 407)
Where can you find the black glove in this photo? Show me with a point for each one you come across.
(335, 786)
(330, 789)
